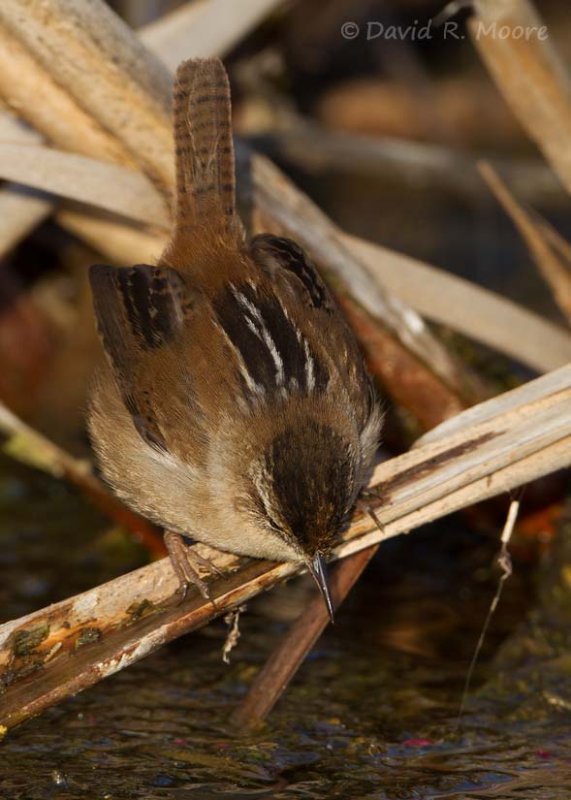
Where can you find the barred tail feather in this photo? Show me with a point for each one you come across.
(204, 148)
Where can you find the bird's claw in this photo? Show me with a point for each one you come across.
(181, 559)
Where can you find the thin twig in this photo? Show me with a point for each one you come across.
(232, 619)
(505, 564)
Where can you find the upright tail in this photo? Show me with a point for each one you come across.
(204, 149)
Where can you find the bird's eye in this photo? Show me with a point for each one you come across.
(272, 524)
(274, 527)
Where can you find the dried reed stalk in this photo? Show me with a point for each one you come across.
(21, 210)
(530, 74)
(106, 71)
(483, 452)
(37, 97)
(551, 253)
(85, 180)
(425, 165)
(205, 28)
(469, 309)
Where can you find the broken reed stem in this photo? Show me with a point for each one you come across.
(288, 656)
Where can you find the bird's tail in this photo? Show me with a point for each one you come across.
(204, 148)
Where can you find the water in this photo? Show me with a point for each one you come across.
(370, 715)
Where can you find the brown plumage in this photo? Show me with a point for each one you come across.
(235, 408)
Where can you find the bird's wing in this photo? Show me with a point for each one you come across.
(276, 254)
(139, 310)
(285, 262)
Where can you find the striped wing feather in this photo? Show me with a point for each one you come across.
(139, 310)
(284, 261)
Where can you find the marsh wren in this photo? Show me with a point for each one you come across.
(234, 408)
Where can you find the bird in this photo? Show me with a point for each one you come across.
(233, 407)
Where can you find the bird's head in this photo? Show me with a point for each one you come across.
(304, 487)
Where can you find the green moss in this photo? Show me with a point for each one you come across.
(88, 636)
(26, 641)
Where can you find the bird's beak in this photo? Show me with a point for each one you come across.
(318, 571)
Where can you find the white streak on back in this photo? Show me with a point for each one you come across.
(257, 325)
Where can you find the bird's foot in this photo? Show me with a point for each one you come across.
(364, 505)
(207, 564)
(185, 563)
